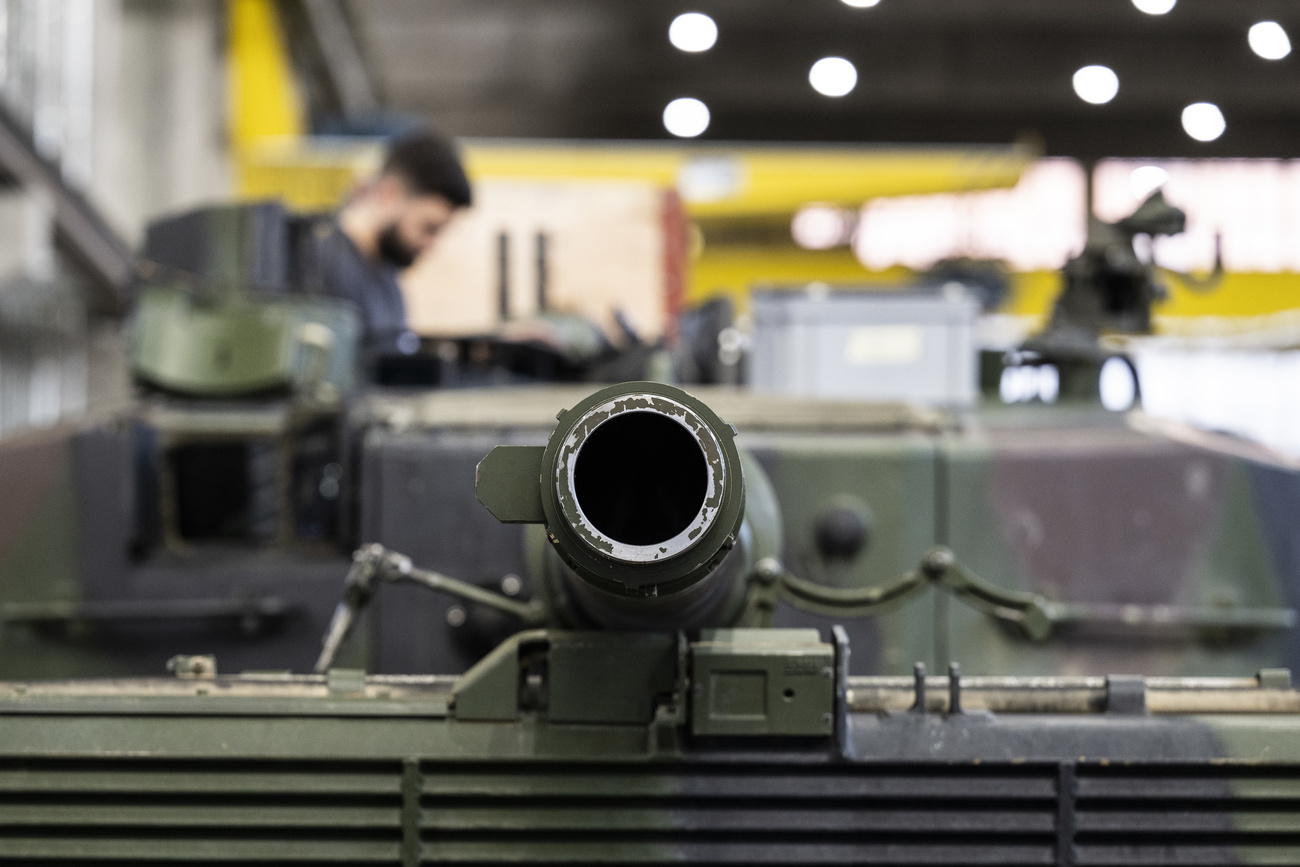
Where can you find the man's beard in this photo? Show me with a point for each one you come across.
(393, 250)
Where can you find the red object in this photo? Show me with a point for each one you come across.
(676, 260)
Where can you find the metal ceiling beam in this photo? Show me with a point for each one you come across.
(929, 71)
(77, 223)
(341, 54)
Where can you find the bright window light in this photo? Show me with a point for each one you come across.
(1011, 386)
(821, 227)
(693, 31)
(1203, 121)
(1096, 84)
(1024, 383)
(1145, 180)
(860, 4)
(1117, 386)
(1269, 40)
(1154, 7)
(833, 76)
(686, 117)
(1250, 204)
(1049, 383)
(1037, 225)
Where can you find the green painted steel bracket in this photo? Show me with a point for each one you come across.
(729, 683)
(508, 482)
(581, 677)
(1030, 613)
(490, 689)
(850, 601)
(753, 682)
(374, 562)
(1033, 615)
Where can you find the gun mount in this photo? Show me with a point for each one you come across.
(1108, 287)
(651, 519)
(1109, 290)
(652, 516)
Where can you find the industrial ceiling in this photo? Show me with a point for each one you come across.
(948, 71)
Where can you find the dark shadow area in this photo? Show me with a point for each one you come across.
(641, 478)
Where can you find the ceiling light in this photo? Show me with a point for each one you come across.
(693, 31)
(860, 4)
(833, 76)
(1203, 121)
(1269, 40)
(1145, 180)
(1154, 7)
(686, 117)
(1096, 84)
(1117, 385)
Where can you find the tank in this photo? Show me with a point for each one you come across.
(645, 741)
(220, 509)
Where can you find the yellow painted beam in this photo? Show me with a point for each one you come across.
(737, 181)
(1239, 295)
(716, 181)
(733, 272)
(264, 99)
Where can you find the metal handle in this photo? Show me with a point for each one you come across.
(1035, 616)
(374, 561)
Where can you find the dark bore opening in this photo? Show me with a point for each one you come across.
(641, 478)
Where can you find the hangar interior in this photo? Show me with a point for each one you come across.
(422, 422)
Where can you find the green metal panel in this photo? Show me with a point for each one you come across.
(1142, 531)
(508, 482)
(41, 531)
(893, 477)
(233, 345)
(490, 691)
(762, 682)
(609, 677)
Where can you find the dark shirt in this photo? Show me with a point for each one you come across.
(371, 287)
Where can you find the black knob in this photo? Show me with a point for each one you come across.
(842, 530)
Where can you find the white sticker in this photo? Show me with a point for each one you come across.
(882, 345)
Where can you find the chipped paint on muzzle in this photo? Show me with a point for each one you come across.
(641, 478)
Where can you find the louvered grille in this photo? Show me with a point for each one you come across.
(740, 814)
(136, 810)
(1215, 814)
(750, 810)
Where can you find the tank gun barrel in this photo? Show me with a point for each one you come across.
(653, 518)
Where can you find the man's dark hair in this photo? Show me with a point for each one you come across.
(429, 164)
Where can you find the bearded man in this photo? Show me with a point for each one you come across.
(384, 227)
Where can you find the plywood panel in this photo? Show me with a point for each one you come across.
(605, 252)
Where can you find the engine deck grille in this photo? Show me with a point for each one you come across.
(137, 810)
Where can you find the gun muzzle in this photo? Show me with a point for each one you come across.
(642, 492)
